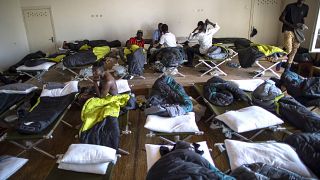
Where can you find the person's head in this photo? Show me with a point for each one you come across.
(139, 34)
(300, 2)
(159, 26)
(164, 28)
(201, 26)
(98, 68)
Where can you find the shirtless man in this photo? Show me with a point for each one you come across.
(107, 84)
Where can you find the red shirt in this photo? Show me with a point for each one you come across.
(135, 41)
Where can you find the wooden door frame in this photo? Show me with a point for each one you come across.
(51, 19)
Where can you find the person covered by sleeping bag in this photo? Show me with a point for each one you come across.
(133, 44)
(104, 82)
(203, 33)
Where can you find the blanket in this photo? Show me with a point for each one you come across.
(222, 93)
(169, 98)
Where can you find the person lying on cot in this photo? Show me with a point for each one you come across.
(203, 33)
(103, 81)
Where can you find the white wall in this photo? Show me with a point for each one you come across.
(121, 18)
(310, 20)
(13, 39)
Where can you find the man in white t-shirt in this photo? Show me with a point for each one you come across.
(203, 33)
(167, 39)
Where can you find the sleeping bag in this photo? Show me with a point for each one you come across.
(184, 163)
(307, 146)
(100, 119)
(304, 90)
(36, 55)
(263, 171)
(168, 98)
(170, 56)
(222, 93)
(136, 61)
(84, 58)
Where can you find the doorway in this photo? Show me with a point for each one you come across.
(39, 28)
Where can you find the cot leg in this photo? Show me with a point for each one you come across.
(121, 151)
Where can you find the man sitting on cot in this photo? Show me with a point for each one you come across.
(132, 45)
(203, 33)
(167, 39)
(103, 81)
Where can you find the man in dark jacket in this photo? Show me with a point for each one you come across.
(292, 18)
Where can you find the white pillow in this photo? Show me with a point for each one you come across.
(123, 86)
(42, 67)
(88, 154)
(100, 168)
(248, 119)
(18, 88)
(153, 153)
(248, 84)
(184, 123)
(70, 87)
(274, 154)
(9, 165)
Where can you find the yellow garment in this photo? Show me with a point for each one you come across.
(101, 52)
(130, 50)
(58, 58)
(268, 50)
(96, 109)
(84, 47)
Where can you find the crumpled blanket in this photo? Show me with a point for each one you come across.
(168, 98)
(222, 93)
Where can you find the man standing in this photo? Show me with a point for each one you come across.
(292, 18)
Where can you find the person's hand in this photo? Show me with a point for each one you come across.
(206, 21)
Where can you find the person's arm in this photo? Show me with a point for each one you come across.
(105, 89)
(211, 23)
(194, 33)
(160, 43)
(96, 87)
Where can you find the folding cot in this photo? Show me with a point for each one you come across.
(273, 160)
(214, 64)
(42, 120)
(229, 118)
(169, 103)
(264, 69)
(36, 72)
(85, 161)
(11, 97)
(184, 125)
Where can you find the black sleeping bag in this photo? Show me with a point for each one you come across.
(298, 115)
(222, 93)
(136, 62)
(78, 59)
(8, 100)
(36, 62)
(304, 90)
(247, 56)
(99, 43)
(263, 171)
(183, 163)
(44, 114)
(36, 55)
(171, 56)
(104, 133)
(307, 145)
(77, 45)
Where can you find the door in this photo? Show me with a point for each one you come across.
(265, 19)
(39, 29)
